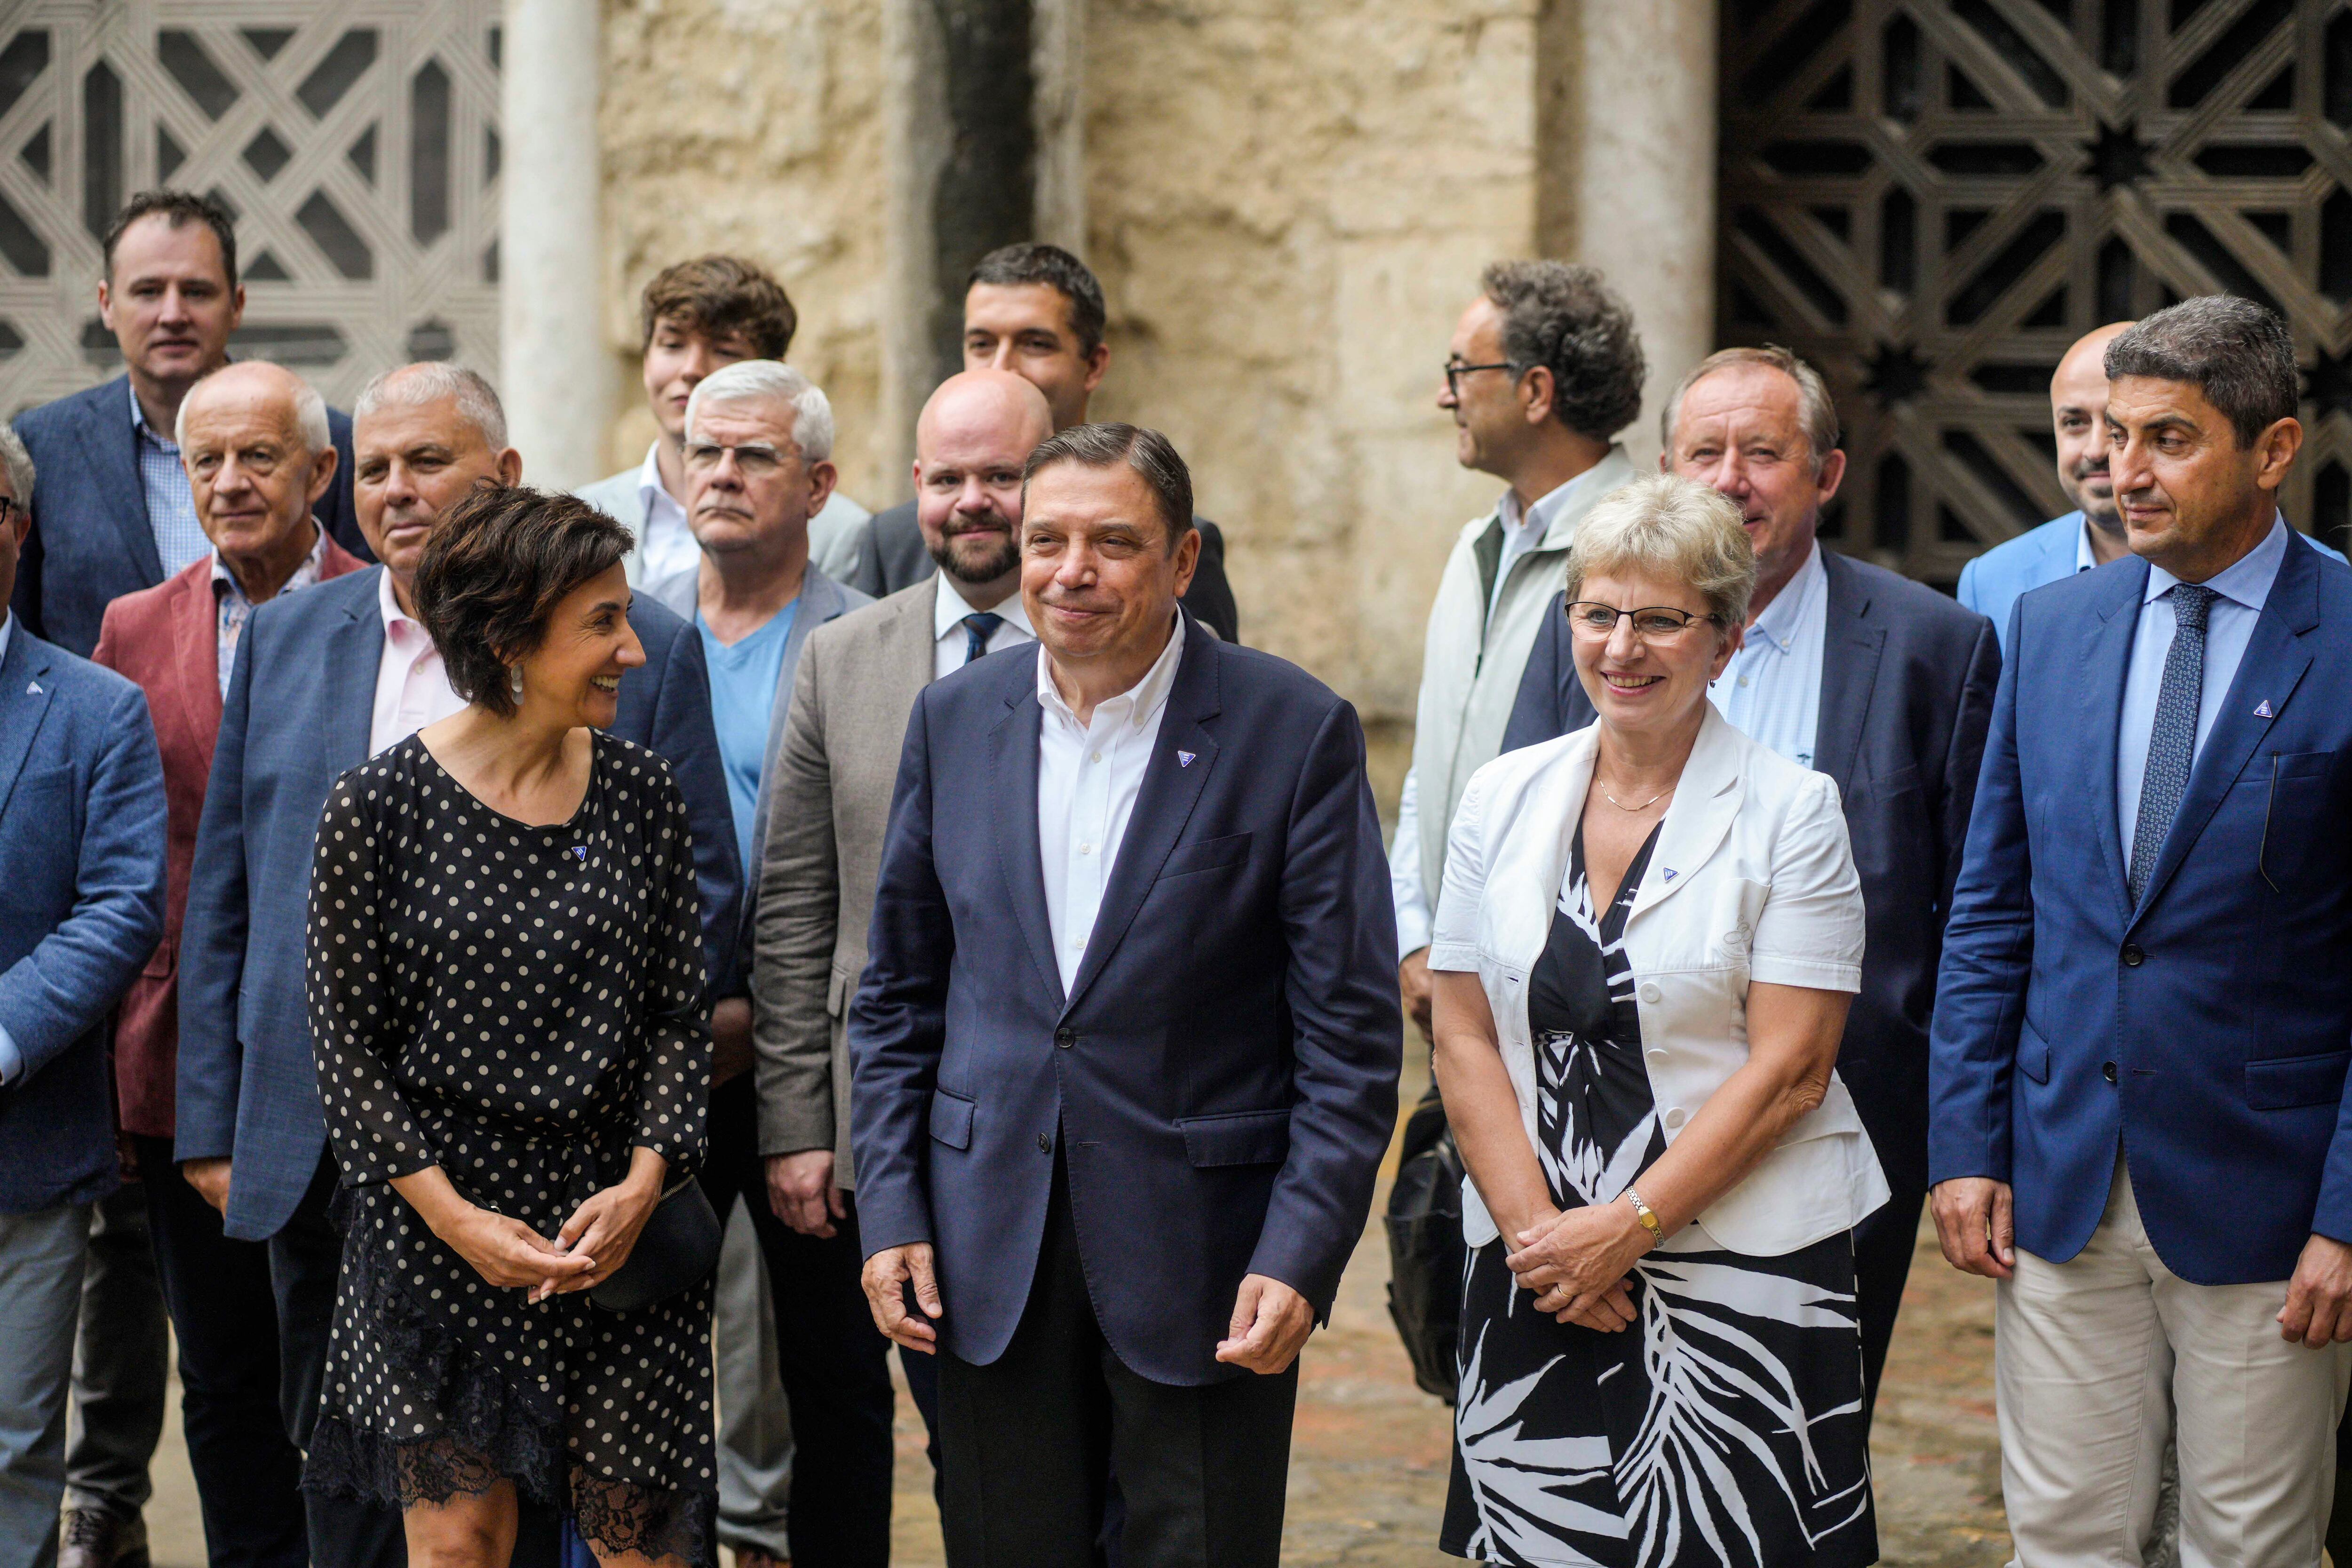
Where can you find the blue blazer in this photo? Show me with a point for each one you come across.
(1908, 680)
(2207, 1031)
(1223, 1070)
(300, 701)
(1990, 584)
(91, 541)
(81, 909)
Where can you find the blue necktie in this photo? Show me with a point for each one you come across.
(2172, 740)
(978, 627)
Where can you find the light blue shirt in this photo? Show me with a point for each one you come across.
(170, 505)
(12, 1061)
(1771, 690)
(2240, 591)
(743, 678)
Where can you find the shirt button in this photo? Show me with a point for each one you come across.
(1650, 992)
(1086, 849)
(1656, 1054)
(1096, 758)
(1743, 680)
(1676, 1117)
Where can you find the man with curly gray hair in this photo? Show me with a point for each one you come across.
(1544, 370)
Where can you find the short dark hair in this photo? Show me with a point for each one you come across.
(2240, 354)
(1148, 452)
(1566, 317)
(177, 209)
(497, 566)
(1010, 265)
(715, 295)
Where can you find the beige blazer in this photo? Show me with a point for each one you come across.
(828, 809)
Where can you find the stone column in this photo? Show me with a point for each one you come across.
(555, 373)
(1628, 142)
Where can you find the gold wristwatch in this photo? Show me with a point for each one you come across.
(1649, 1220)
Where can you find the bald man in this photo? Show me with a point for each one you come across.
(830, 802)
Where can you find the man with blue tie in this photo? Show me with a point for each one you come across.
(323, 680)
(2145, 1012)
(1126, 1047)
(81, 863)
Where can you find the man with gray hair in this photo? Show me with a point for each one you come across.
(2139, 1128)
(255, 441)
(1880, 682)
(756, 460)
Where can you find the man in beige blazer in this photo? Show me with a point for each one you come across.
(830, 801)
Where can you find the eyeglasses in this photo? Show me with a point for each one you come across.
(756, 462)
(10, 506)
(1654, 623)
(1455, 373)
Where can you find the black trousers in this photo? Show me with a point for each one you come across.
(305, 1258)
(834, 1365)
(1883, 1245)
(1031, 1438)
(248, 1473)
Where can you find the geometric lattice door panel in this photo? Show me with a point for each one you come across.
(355, 139)
(1931, 201)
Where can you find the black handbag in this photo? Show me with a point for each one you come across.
(675, 1251)
(1426, 1254)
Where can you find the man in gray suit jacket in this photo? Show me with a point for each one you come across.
(756, 461)
(830, 800)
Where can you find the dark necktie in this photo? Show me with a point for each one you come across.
(2172, 740)
(978, 627)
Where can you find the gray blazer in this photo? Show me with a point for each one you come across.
(856, 683)
(822, 599)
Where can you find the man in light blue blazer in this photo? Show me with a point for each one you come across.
(2092, 533)
(2145, 1012)
(325, 680)
(82, 907)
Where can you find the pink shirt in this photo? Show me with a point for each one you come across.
(412, 688)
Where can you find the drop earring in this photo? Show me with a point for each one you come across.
(514, 681)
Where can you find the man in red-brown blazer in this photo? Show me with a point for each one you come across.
(255, 441)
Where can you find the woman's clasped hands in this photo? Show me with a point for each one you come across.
(1577, 1261)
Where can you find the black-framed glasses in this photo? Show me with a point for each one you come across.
(757, 462)
(1652, 622)
(1455, 373)
(10, 509)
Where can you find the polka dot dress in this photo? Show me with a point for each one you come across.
(521, 1005)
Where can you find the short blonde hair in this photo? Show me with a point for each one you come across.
(1672, 527)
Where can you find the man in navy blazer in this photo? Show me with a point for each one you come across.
(1902, 690)
(313, 694)
(1126, 1049)
(113, 513)
(81, 862)
(2145, 1010)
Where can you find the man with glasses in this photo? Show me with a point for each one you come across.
(1544, 370)
(1849, 669)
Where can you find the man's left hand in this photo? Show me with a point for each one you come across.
(2318, 1310)
(1271, 1322)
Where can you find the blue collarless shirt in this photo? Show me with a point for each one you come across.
(743, 678)
(2240, 591)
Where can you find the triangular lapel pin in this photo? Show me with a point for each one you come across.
(1671, 873)
(1184, 759)
(2263, 711)
(31, 688)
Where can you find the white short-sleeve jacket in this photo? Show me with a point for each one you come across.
(1752, 879)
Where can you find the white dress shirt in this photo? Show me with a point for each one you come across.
(666, 545)
(1088, 778)
(412, 687)
(949, 638)
(12, 1061)
(1771, 690)
(2240, 593)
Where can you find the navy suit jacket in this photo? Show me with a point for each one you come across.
(1222, 1077)
(91, 540)
(1907, 681)
(82, 907)
(2205, 1032)
(300, 701)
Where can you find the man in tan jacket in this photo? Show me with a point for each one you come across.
(830, 801)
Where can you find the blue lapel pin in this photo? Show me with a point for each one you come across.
(31, 688)
(2263, 711)
(1184, 759)
(580, 850)
(1671, 873)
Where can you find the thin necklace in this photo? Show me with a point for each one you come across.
(1644, 805)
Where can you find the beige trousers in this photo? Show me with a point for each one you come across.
(2091, 1360)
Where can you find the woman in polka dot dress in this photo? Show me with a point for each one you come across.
(506, 997)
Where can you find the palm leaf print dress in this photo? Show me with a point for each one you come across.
(1724, 1425)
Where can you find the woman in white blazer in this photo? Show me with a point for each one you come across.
(1647, 939)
